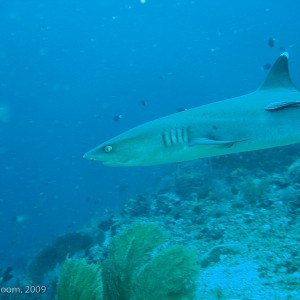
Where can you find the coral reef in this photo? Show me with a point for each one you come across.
(253, 207)
(240, 213)
(56, 252)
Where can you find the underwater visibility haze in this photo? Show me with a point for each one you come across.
(74, 74)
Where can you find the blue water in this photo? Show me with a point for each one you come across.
(68, 67)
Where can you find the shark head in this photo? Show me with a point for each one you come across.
(109, 153)
(132, 148)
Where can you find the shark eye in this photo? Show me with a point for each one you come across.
(107, 148)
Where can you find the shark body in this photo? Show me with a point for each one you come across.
(266, 118)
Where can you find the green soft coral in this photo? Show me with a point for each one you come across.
(170, 275)
(128, 252)
(137, 269)
(139, 266)
(79, 281)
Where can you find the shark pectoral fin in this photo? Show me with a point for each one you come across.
(212, 142)
(280, 105)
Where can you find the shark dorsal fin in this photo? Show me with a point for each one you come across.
(279, 76)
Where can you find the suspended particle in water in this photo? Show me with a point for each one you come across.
(4, 113)
(117, 118)
(271, 42)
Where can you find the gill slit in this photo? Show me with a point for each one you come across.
(177, 136)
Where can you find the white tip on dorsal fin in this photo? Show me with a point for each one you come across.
(279, 76)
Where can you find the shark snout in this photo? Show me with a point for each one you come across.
(91, 155)
(107, 159)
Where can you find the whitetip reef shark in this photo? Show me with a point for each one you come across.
(266, 118)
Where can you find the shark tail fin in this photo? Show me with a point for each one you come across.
(279, 75)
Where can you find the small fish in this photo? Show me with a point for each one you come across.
(267, 66)
(122, 188)
(6, 276)
(179, 109)
(144, 103)
(117, 118)
(19, 218)
(271, 42)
